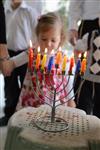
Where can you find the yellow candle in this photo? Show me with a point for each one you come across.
(83, 64)
(44, 60)
(58, 57)
(30, 56)
(64, 63)
(38, 59)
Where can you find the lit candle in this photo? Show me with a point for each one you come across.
(44, 60)
(71, 63)
(30, 56)
(83, 64)
(51, 61)
(64, 63)
(38, 59)
(58, 58)
(78, 65)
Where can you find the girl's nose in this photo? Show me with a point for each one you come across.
(49, 43)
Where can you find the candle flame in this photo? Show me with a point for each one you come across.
(60, 48)
(52, 52)
(30, 43)
(72, 55)
(79, 55)
(46, 50)
(65, 53)
(85, 54)
(38, 49)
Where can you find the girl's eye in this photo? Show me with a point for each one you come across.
(53, 40)
(43, 39)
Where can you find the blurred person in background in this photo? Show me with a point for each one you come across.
(37, 4)
(21, 20)
(87, 12)
(3, 43)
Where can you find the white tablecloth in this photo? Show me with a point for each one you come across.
(83, 131)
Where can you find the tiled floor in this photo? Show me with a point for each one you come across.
(3, 130)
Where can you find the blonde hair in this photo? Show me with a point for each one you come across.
(48, 21)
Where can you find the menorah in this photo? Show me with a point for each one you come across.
(48, 75)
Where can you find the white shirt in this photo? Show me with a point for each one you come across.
(20, 25)
(83, 10)
(37, 4)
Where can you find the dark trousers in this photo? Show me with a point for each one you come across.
(89, 99)
(85, 26)
(13, 86)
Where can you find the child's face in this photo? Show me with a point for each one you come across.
(50, 39)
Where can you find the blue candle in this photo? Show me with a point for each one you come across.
(78, 66)
(51, 61)
(50, 64)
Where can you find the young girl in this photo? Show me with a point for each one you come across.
(51, 35)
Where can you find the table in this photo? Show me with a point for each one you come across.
(83, 131)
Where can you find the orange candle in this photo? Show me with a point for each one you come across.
(58, 57)
(64, 63)
(38, 59)
(71, 63)
(44, 60)
(30, 56)
(83, 64)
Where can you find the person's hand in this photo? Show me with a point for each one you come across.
(7, 67)
(73, 36)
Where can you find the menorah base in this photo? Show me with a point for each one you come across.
(45, 124)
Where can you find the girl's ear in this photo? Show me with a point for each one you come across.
(59, 44)
(62, 42)
(63, 39)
